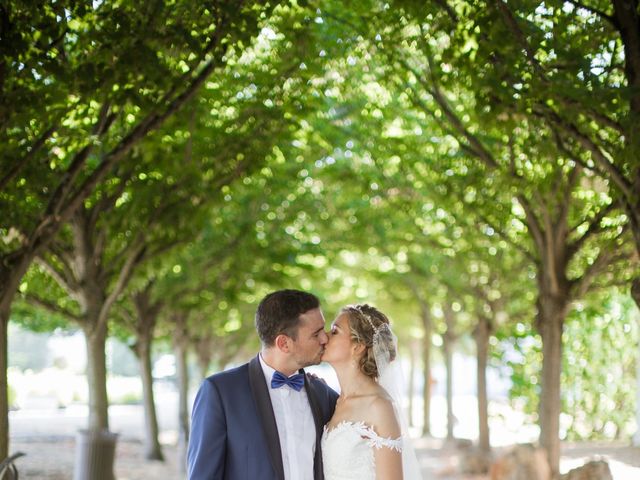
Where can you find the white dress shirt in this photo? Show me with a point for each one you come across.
(296, 428)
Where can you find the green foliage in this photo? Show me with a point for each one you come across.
(400, 154)
(81, 77)
(519, 349)
(598, 371)
(37, 318)
(599, 368)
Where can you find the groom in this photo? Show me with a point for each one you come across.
(262, 420)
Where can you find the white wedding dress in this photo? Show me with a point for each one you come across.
(348, 451)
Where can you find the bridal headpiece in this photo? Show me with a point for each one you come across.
(383, 339)
(380, 339)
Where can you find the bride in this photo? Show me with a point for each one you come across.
(365, 438)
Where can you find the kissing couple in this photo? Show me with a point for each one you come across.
(269, 420)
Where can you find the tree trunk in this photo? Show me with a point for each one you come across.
(635, 287)
(636, 435)
(427, 326)
(180, 351)
(634, 220)
(551, 313)
(626, 15)
(87, 274)
(96, 339)
(147, 316)
(448, 356)
(448, 340)
(10, 276)
(481, 335)
(152, 449)
(5, 309)
(91, 296)
(203, 368)
(412, 376)
(204, 350)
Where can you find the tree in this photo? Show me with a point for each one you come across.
(576, 67)
(503, 152)
(81, 86)
(158, 288)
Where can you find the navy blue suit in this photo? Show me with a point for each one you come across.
(234, 435)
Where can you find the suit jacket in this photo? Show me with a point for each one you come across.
(234, 434)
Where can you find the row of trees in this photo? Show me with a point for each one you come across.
(94, 110)
(534, 128)
(164, 168)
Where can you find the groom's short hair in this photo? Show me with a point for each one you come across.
(279, 313)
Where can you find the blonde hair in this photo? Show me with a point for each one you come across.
(365, 323)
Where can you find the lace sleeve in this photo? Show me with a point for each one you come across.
(376, 440)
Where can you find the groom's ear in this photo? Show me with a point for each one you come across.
(282, 343)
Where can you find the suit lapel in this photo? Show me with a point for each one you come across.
(262, 400)
(314, 403)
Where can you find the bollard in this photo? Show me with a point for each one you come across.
(95, 453)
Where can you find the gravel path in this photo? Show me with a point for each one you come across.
(52, 458)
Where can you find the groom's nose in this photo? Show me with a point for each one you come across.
(323, 338)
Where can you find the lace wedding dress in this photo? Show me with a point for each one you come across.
(348, 451)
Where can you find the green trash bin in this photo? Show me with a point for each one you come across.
(95, 454)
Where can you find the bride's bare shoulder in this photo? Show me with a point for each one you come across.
(383, 416)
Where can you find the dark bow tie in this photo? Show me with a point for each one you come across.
(295, 381)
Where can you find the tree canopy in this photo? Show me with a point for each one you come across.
(470, 167)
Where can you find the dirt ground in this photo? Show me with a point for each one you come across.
(52, 458)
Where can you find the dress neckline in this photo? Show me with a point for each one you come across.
(361, 424)
(366, 432)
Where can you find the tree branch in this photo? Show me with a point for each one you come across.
(628, 22)
(597, 116)
(51, 222)
(20, 164)
(58, 277)
(155, 252)
(580, 286)
(135, 257)
(107, 200)
(612, 171)
(572, 156)
(51, 307)
(64, 257)
(477, 147)
(599, 13)
(595, 226)
(64, 187)
(561, 223)
(126, 316)
(447, 8)
(147, 309)
(506, 238)
(512, 24)
(532, 223)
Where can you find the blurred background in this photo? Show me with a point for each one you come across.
(470, 168)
